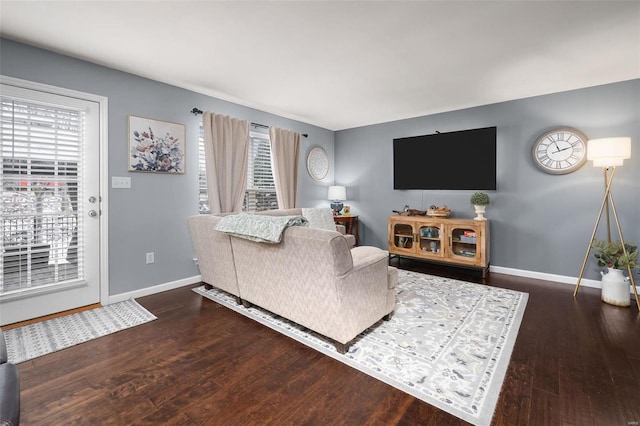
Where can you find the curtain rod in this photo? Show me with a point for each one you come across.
(196, 111)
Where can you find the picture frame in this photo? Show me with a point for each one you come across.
(156, 146)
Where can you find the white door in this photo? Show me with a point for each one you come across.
(50, 203)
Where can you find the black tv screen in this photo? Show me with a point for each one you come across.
(455, 160)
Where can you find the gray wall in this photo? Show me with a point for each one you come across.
(539, 222)
(151, 217)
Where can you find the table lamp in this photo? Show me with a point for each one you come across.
(337, 194)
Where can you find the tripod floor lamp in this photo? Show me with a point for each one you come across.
(608, 153)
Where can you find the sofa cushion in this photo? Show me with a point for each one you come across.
(280, 212)
(319, 218)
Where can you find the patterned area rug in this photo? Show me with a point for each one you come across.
(34, 340)
(448, 343)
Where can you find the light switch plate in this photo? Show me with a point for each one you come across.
(120, 182)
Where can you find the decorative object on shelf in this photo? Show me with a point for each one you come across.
(560, 151)
(410, 212)
(317, 163)
(612, 255)
(156, 146)
(609, 153)
(346, 211)
(427, 232)
(435, 211)
(337, 194)
(480, 201)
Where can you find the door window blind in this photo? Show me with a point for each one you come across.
(40, 155)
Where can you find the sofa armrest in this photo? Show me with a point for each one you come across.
(9, 394)
(364, 256)
(351, 239)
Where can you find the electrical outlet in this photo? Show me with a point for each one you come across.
(150, 258)
(195, 261)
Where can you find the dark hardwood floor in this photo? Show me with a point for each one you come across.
(575, 362)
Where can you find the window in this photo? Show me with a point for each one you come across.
(260, 192)
(40, 151)
(203, 197)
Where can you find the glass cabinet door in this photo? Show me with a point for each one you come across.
(403, 235)
(464, 242)
(430, 240)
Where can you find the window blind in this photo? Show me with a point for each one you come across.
(203, 207)
(260, 192)
(40, 153)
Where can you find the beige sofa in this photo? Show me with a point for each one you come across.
(312, 277)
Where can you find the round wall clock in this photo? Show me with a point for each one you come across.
(317, 163)
(560, 151)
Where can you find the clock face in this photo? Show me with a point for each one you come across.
(560, 151)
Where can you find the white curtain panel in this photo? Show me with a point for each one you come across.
(226, 144)
(285, 147)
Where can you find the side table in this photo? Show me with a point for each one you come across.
(350, 223)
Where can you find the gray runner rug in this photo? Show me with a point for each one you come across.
(448, 343)
(34, 340)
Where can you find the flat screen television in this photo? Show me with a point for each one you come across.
(458, 160)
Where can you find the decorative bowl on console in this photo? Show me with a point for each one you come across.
(435, 211)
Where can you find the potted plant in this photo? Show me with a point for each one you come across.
(610, 254)
(480, 201)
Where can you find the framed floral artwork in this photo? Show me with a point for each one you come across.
(156, 146)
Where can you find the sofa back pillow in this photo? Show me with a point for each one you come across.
(319, 218)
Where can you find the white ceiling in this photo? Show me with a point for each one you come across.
(340, 64)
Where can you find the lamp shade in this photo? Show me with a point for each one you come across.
(337, 193)
(608, 152)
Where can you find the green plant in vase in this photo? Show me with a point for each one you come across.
(480, 201)
(612, 255)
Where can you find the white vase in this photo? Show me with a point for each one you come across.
(480, 210)
(615, 288)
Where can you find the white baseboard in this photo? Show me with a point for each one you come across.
(562, 279)
(154, 289)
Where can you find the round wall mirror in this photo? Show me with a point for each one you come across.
(317, 163)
